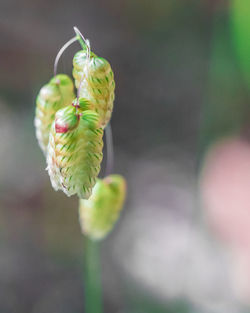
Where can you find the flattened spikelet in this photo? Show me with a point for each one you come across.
(97, 83)
(100, 212)
(58, 93)
(75, 151)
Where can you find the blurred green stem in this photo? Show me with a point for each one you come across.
(92, 276)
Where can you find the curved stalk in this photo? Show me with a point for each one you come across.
(60, 52)
(83, 42)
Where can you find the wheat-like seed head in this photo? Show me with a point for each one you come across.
(100, 212)
(95, 78)
(55, 95)
(75, 150)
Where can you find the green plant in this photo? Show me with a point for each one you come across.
(70, 130)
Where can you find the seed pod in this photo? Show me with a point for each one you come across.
(97, 83)
(58, 93)
(75, 150)
(100, 212)
(66, 86)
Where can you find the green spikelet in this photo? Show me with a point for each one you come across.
(97, 83)
(75, 149)
(100, 212)
(58, 93)
(66, 86)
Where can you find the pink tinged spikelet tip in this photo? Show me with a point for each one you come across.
(61, 128)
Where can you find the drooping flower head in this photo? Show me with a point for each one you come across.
(55, 95)
(95, 78)
(75, 149)
(100, 212)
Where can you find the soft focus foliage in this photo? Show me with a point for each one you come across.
(240, 12)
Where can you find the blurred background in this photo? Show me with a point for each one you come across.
(182, 140)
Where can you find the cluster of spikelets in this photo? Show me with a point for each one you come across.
(69, 131)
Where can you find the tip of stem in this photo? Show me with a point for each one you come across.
(76, 30)
(84, 42)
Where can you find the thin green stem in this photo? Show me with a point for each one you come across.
(81, 42)
(81, 39)
(92, 277)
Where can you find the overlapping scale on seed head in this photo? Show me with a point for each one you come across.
(83, 104)
(66, 120)
(100, 212)
(58, 93)
(75, 151)
(95, 78)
